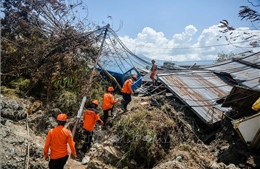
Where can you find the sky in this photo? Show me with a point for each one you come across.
(176, 30)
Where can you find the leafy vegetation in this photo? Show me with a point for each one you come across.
(46, 52)
(145, 135)
(223, 56)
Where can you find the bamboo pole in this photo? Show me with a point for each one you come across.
(89, 85)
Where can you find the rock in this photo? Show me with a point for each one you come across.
(96, 164)
(224, 148)
(169, 165)
(85, 160)
(148, 138)
(232, 166)
(73, 164)
(14, 144)
(95, 151)
(179, 158)
(34, 106)
(112, 155)
(12, 108)
(214, 166)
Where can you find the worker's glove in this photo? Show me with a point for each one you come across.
(101, 122)
(73, 157)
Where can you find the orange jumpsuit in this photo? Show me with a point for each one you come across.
(90, 117)
(153, 72)
(57, 140)
(127, 87)
(126, 92)
(108, 101)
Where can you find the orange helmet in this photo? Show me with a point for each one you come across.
(95, 102)
(134, 77)
(62, 117)
(110, 89)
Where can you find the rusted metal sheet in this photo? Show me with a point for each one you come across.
(199, 90)
(244, 68)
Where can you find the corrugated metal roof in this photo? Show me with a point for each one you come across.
(200, 90)
(244, 68)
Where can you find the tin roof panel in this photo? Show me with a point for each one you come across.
(200, 90)
(245, 68)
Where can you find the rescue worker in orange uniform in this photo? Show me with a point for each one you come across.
(108, 103)
(153, 71)
(90, 117)
(56, 141)
(127, 92)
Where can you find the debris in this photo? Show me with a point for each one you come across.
(248, 130)
(85, 160)
(144, 103)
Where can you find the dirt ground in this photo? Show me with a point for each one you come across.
(21, 134)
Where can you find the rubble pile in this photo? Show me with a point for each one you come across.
(23, 137)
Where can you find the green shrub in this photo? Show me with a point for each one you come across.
(67, 101)
(145, 135)
(21, 84)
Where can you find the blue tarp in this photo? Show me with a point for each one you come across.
(122, 69)
(121, 64)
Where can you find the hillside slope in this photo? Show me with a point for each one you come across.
(162, 139)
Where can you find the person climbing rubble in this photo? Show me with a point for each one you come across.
(56, 141)
(108, 104)
(127, 92)
(90, 117)
(153, 71)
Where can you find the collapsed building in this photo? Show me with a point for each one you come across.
(226, 89)
(212, 92)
